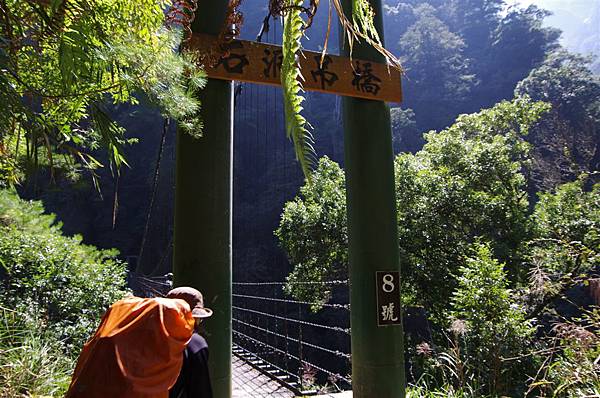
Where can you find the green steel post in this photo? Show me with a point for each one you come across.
(377, 352)
(203, 208)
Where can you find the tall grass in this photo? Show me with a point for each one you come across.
(445, 392)
(31, 363)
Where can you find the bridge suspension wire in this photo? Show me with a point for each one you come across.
(271, 331)
(324, 283)
(327, 305)
(298, 321)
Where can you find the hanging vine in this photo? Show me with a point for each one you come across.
(362, 27)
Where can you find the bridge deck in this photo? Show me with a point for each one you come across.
(250, 383)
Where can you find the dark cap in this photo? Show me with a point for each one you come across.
(194, 298)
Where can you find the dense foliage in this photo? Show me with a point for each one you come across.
(461, 56)
(314, 234)
(435, 61)
(490, 269)
(32, 360)
(51, 279)
(53, 292)
(489, 259)
(63, 62)
(466, 183)
(489, 329)
(566, 242)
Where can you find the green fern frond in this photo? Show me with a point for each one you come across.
(362, 16)
(297, 127)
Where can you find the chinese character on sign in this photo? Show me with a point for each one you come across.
(388, 298)
(387, 312)
(272, 60)
(234, 62)
(364, 79)
(322, 75)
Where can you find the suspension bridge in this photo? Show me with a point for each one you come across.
(281, 348)
(275, 334)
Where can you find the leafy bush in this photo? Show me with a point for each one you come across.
(51, 278)
(424, 391)
(566, 245)
(572, 368)
(491, 325)
(485, 300)
(466, 183)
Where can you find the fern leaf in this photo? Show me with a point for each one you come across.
(297, 127)
(362, 26)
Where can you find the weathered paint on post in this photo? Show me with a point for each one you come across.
(203, 208)
(377, 352)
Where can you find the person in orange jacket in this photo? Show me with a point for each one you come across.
(194, 378)
(138, 349)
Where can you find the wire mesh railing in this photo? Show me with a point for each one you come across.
(311, 350)
(280, 336)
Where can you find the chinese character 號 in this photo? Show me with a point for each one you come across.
(322, 75)
(364, 79)
(387, 312)
(272, 60)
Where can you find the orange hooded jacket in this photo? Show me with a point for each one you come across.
(136, 351)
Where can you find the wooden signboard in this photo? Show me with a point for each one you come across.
(260, 63)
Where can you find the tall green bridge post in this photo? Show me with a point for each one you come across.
(377, 351)
(202, 245)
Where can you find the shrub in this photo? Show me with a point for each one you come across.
(447, 391)
(571, 367)
(566, 245)
(54, 282)
(490, 327)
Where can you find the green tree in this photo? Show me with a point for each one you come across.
(437, 71)
(405, 133)
(503, 43)
(313, 232)
(518, 44)
(63, 60)
(474, 20)
(467, 182)
(494, 325)
(566, 141)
